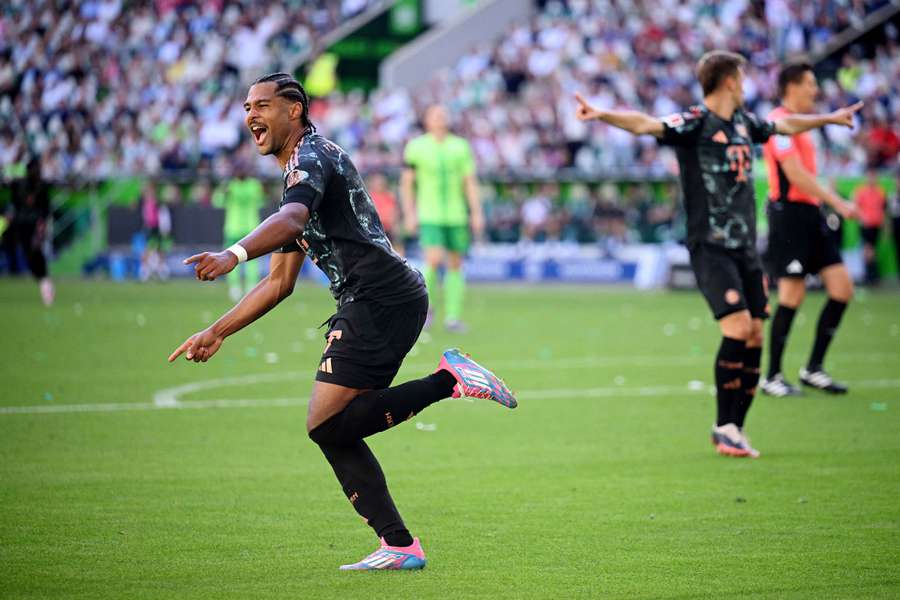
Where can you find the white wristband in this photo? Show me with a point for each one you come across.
(239, 251)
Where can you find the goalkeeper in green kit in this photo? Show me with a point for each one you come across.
(439, 192)
(242, 198)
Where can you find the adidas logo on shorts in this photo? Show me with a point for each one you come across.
(794, 267)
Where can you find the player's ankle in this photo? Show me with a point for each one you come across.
(399, 539)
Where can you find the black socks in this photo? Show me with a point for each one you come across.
(363, 483)
(729, 370)
(829, 320)
(356, 468)
(375, 411)
(781, 326)
(749, 379)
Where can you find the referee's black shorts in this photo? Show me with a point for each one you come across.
(800, 241)
(730, 280)
(367, 341)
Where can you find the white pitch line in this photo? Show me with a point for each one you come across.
(169, 397)
(145, 406)
(548, 394)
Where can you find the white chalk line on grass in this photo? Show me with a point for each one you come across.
(172, 403)
(170, 396)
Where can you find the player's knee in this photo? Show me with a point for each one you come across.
(843, 294)
(737, 328)
(755, 340)
(743, 332)
(320, 434)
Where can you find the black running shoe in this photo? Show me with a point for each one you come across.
(821, 380)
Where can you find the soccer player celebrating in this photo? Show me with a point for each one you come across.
(441, 168)
(327, 214)
(713, 143)
(800, 242)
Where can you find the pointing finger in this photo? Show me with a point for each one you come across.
(195, 258)
(856, 107)
(581, 100)
(179, 350)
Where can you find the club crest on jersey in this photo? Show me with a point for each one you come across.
(294, 177)
(742, 130)
(674, 121)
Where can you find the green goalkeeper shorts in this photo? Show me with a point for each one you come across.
(454, 238)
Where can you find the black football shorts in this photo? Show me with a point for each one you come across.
(800, 241)
(366, 342)
(730, 280)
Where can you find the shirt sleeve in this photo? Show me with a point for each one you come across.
(782, 146)
(410, 155)
(682, 128)
(306, 182)
(760, 131)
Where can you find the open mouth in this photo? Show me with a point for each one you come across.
(260, 133)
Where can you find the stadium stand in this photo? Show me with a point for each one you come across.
(162, 96)
(99, 90)
(513, 98)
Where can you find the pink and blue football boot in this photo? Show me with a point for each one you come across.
(391, 558)
(473, 380)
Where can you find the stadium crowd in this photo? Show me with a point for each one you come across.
(184, 66)
(100, 89)
(513, 99)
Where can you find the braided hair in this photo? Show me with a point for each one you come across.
(290, 88)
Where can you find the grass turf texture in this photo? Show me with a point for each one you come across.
(614, 492)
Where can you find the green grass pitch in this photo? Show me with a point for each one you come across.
(602, 484)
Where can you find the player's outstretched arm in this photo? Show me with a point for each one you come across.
(794, 124)
(633, 121)
(279, 230)
(275, 287)
(801, 178)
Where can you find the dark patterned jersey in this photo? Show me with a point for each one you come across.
(715, 160)
(344, 236)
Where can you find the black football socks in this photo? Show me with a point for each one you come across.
(375, 411)
(363, 483)
(749, 380)
(829, 320)
(356, 468)
(781, 327)
(729, 369)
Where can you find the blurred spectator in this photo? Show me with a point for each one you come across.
(28, 222)
(882, 143)
(156, 220)
(536, 214)
(870, 201)
(895, 217)
(387, 207)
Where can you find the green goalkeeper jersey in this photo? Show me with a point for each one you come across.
(242, 199)
(441, 168)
